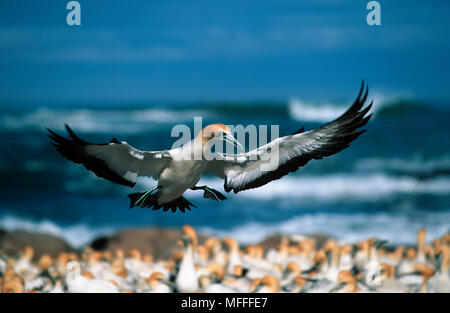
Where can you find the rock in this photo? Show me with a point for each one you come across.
(272, 241)
(12, 242)
(160, 242)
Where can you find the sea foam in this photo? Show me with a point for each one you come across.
(76, 235)
(349, 228)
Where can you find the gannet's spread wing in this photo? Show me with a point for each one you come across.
(248, 170)
(115, 161)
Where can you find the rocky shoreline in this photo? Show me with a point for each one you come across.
(157, 241)
(12, 242)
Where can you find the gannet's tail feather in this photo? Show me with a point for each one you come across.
(148, 199)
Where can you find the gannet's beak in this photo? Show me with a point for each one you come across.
(289, 287)
(378, 243)
(328, 255)
(438, 259)
(167, 282)
(231, 140)
(258, 287)
(186, 240)
(337, 287)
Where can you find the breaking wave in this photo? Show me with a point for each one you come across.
(342, 187)
(419, 167)
(348, 228)
(309, 111)
(135, 120)
(96, 121)
(346, 187)
(76, 235)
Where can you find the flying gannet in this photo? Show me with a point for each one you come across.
(176, 170)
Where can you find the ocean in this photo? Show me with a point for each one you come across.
(391, 181)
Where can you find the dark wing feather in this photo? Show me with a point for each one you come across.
(116, 161)
(295, 150)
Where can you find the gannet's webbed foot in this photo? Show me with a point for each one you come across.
(145, 199)
(149, 199)
(210, 193)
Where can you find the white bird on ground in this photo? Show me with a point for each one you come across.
(3, 266)
(267, 284)
(440, 282)
(24, 265)
(179, 169)
(234, 258)
(158, 283)
(187, 277)
(79, 284)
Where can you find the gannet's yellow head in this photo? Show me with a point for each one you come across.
(239, 271)
(88, 274)
(28, 253)
(45, 262)
(254, 251)
(148, 258)
(231, 244)
(213, 244)
(217, 133)
(95, 257)
(319, 257)
(423, 270)
(331, 246)
(349, 284)
(387, 271)
(442, 257)
(411, 253)
(446, 239)
(255, 285)
(118, 268)
(203, 253)
(266, 284)
(345, 249)
(213, 130)
(189, 232)
(216, 270)
(12, 286)
(155, 279)
(300, 282)
(271, 283)
(421, 235)
(293, 268)
(177, 256)
(307, 247)
(343, 274)
(135, 254)
(108, 256)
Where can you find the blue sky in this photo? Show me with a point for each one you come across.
(132, 51)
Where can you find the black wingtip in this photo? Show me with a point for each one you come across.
(73, 135)
(114, 140)
(52, 132)
(365, 95)
(361, 89)
(301, 130)
(73, 149)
